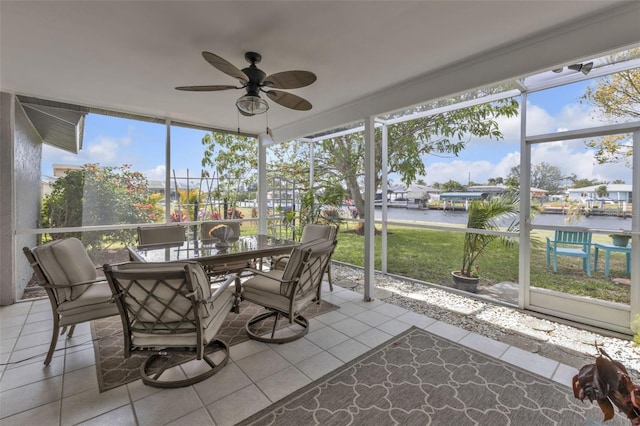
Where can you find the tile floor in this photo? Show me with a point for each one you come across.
(66, 392)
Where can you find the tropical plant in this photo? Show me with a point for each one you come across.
(608, 383)
(94, 196)
(316, 208)
(490, 214)
(187, 204)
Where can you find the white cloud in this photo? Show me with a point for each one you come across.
(572, 157)
(102, 151)
(157, 173)
(461, 171)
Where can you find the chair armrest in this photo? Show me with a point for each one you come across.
(221, 289)
(279, 258)
(266, 275)
(46, 285)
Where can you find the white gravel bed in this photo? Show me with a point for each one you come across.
(564, 343)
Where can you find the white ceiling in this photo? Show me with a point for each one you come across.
(370, 56)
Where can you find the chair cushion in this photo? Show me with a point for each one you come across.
(265, 291)
(314, 231)
(164, 291)
(297, 256)
(161, 235)
(218, 311)
(168, 318)
(66, 262)
(85, 307)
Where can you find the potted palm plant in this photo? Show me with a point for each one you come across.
(495, 213)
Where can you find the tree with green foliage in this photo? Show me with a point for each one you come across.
(452, 186)
(93, 196)
(543, 176)
(584, 182)
(408, 142)
(616, 98)
(546, 176)
(232, 161)
(601, 191)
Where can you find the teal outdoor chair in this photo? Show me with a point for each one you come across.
(572, 244)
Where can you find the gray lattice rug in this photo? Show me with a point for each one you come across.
(114, 370)
(417, 378)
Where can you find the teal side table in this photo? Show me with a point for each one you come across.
(608, 248)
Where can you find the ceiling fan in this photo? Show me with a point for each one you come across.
(254, 81)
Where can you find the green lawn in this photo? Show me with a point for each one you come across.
(431, 255)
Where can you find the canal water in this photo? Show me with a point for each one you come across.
(460, 218)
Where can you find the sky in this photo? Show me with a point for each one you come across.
(113, 141)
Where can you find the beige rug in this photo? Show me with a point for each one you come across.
(417, 378)
(114, 370)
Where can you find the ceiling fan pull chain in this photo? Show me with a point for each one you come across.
(266, 117)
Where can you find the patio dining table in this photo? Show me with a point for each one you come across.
(214, 260)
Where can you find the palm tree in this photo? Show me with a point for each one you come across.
(490, 214)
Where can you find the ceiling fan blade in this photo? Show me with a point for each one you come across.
(224, 66)
(206, 88)
(290, 79)
(289, 100)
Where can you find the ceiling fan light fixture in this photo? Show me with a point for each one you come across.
(252, 105)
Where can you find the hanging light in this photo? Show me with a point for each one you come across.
(252, 105)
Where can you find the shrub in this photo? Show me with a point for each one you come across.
(93, 196)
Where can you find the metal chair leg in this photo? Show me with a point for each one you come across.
(54, 339)
(300, 320)
(152, 376)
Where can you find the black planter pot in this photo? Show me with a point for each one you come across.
(461, 282)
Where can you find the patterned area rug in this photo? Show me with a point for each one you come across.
(417, 378)
(114, 370)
